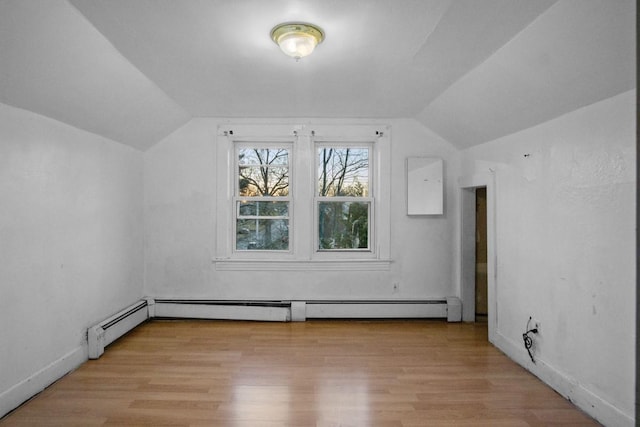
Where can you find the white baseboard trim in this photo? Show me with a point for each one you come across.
(34, 384)
(594, 405)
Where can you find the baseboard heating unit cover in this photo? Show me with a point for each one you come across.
(109, 330)
(376, 309)
(266, 311)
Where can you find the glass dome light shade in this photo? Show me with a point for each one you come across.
(297, 40)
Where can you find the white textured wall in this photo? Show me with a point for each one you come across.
(180, 192)
(70, 241)
(565, 206)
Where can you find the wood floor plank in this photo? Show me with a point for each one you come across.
(315, 373)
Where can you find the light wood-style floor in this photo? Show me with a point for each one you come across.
(315, 373)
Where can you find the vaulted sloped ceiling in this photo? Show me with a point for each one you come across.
(576, 53)
(471, 70)
(54, 62)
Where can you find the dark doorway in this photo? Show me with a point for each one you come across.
(481, 255)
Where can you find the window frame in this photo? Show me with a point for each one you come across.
(302, 253)
(369, 199)
(237, 199)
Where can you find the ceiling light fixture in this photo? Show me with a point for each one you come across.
(297, 39)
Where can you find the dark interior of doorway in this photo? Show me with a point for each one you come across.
(481, 255)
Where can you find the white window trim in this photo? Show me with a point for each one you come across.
(302, 254)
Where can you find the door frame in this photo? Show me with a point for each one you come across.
(467, 186)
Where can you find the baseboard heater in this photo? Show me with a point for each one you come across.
(104, 333)
(375, 309)
(284, 311)
(269, 311)
(109, 330)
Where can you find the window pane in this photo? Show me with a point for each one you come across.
(263, 172)
(343, 172)
(263, 181)
(263, 156)
(255, 208)
(262, 234)
(343, 225)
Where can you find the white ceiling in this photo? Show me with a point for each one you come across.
(470, 70)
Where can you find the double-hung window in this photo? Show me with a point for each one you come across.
(335, 179)
(262, 202)
(343, 200)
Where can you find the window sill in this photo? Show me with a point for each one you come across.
(291, 265)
